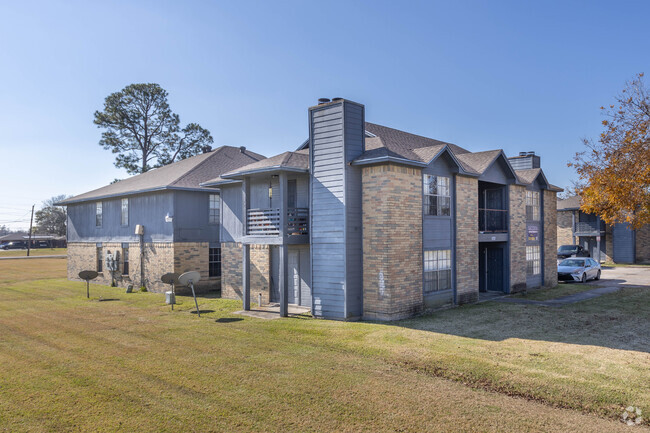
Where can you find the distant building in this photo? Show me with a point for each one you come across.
(180, 221)
(605, 243)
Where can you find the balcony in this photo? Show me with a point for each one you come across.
(493, 221)
(266, 222)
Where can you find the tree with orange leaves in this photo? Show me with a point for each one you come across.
(614, 172)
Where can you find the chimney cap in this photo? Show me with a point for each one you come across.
(529, 153)
(337, 99)
(242, 149)
(322, 101)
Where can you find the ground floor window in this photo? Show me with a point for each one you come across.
(533, 262)
(214, 262)
(99, 259)
(437, 270)
(125, 260)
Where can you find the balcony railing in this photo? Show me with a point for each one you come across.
(298, 221)
(492, 220)
(266, 222)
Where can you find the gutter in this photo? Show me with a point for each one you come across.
(128, 193)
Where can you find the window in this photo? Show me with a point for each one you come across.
(214, 262)
(437, 200)
(125, 260)
(437, 270)
(533, 262)
(532, 205)
(99, 259)
(98, 214)
(125, 212)
(213, 211)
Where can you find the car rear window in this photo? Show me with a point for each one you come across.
(567, 248)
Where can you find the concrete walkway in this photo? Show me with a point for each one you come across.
(271, 311)
(54, 256)
(563, 300)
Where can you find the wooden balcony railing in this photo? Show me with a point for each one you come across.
(266, 222)
(493, 220)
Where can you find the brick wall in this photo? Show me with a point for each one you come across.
(232, 267)
(260, 268)
(517, 233)
(466, 239)
(392, 242)
(550, 238)
(231, 270)
(643, 244)
(565, 228)
(159, 259)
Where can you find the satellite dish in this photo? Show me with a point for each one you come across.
(170, 278)
(189, 278)
(88, 275)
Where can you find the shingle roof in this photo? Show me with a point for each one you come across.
(389, 142)
(478, 162)
(185, 174)
(569, 203)
(291, 161)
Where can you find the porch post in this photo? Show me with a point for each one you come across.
(246, 277)
(284, 286)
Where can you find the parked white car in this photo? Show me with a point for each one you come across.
(578, 269)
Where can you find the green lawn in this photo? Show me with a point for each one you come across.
(563, 289)
(130, 364)
(34, 252)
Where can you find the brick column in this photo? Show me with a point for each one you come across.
(517, 236)
(392, 241)
(466, 239)
(550, 238)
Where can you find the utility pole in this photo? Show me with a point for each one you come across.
(31, 221)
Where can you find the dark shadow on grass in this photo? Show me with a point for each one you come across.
(228, 320)
(202, 311)
(108, 300)
(618, 320)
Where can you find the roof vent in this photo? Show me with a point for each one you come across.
(242, 149)
(322, 101)
(206, 149)
(337, 99)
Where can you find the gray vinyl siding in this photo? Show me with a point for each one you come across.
(191, 218)
(498, 172)
(231, 213)
(146, 209)
(624, 246)
(354, 146)
(259, 191)
(329, 199)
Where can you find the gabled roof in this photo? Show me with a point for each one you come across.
(187, 174)
(297, 161)
(570, 203)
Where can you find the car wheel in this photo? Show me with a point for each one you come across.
(598, 275)
(584, 278)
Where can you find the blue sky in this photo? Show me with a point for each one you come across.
(513, 75)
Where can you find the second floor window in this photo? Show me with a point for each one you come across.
(532, 205)
(98, 214)
(437, 197)
(125, 211)
(213, 209)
